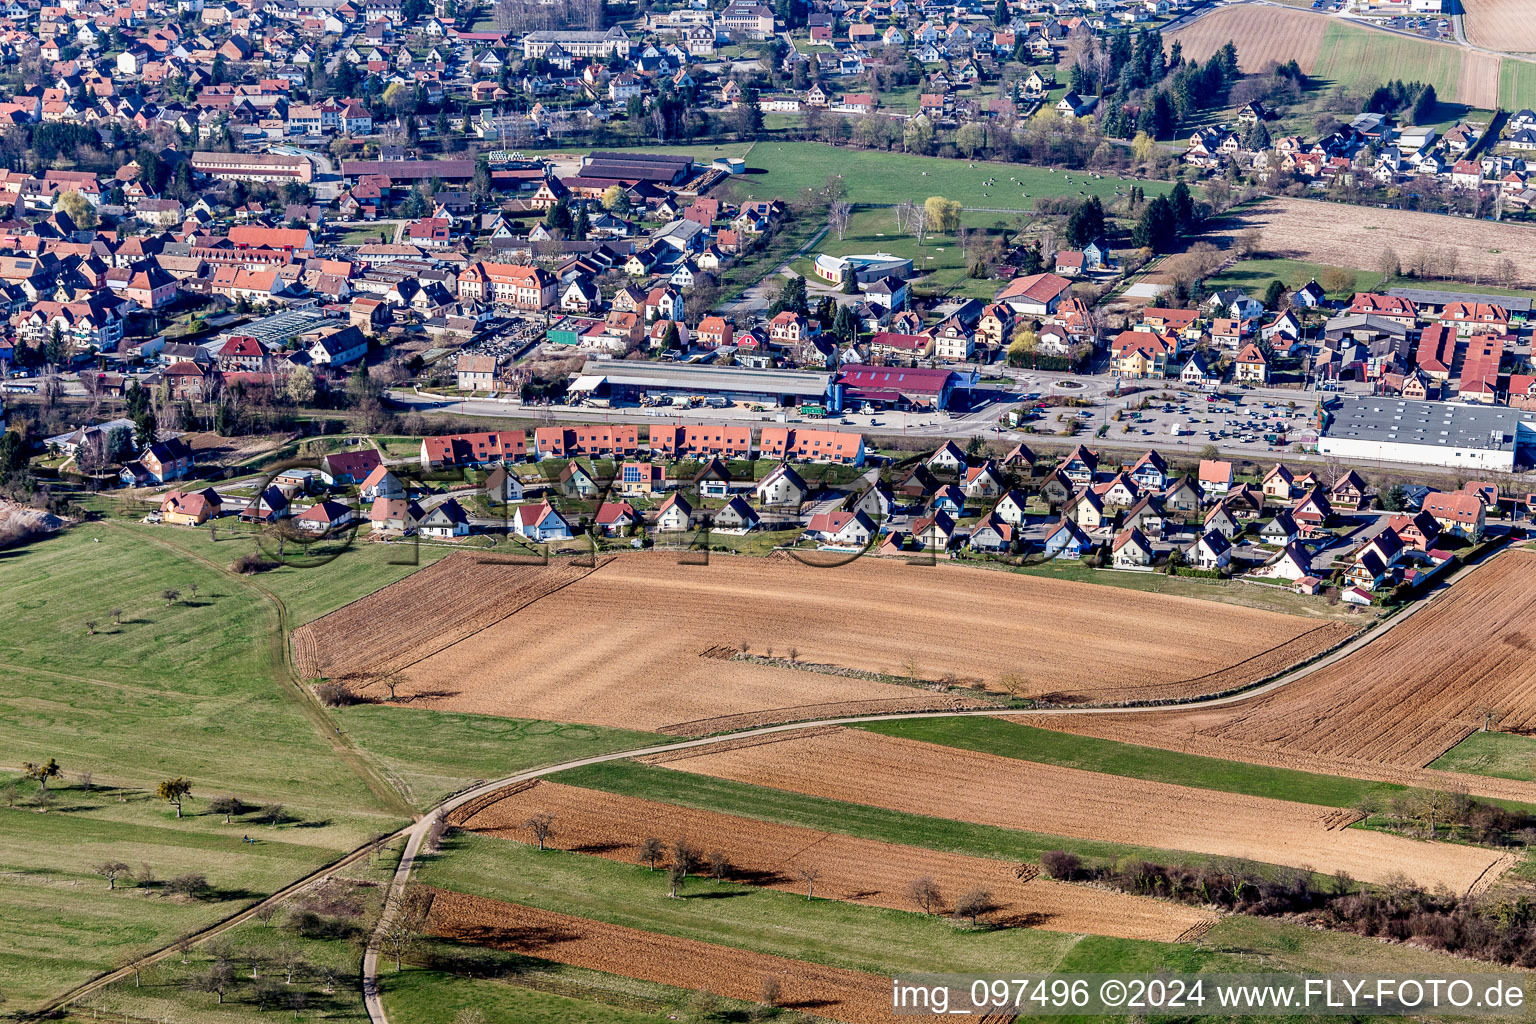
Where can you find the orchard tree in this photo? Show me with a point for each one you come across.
(41, 773)
(174, 791)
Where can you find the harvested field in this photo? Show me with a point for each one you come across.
(853, 869)
(945, 782)
(1396, 705)
(1337, 234)
(644, 642)
(1478, 83)
(422, 614)
(1264, 35)
(737, 974)
(1500, 25)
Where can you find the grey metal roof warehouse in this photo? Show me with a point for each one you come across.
(1444, 424)
(785, 383)
(1434, 297)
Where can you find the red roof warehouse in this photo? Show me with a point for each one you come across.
(898, 385)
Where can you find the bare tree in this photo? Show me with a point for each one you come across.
(291, 959)
(649, 851)
(215, 980)
(228, 806)
(975, 904)
(917, 219)
(924, 892)
(837, 216)
(1014, 684)
(770, 992)
(686, 856)
(542, 825)
(719, 865)
(808, 874)
(111, 870)
(403, 933)
(677, 874)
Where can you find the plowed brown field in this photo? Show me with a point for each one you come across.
(853, 869)
(427, 611)
(1356, 236)
(1500, 25)
(736, 974)
(637, 641)
(945, 782)
(1397, 704)
(1264, 34)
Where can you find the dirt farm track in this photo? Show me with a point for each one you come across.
(853, 869)
(925, 778)
(644, 642)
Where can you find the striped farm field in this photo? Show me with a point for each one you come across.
(831, 992)
(925, 778)
(1338, 53)
(643, 642)
(1391, 708)
(856, 870)
(1500, 25)
(1263, 34)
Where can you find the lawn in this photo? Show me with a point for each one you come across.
(307, 592)
(783, 169)
(443, 978)
(1359, 59)
(430, 754)
(366, 236)
(62, 924)
(996, 736)
(197, 687)
(429, 995)
(1517, 83)
(190, 688)
(1499, 754)
(327, 971)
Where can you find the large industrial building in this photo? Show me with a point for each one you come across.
(886, 387)
(623, 380)
(264, 167)
(1429, 433)
(628, 169)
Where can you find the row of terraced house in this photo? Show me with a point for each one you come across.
(615, 440)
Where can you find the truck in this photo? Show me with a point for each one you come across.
(813, 411)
